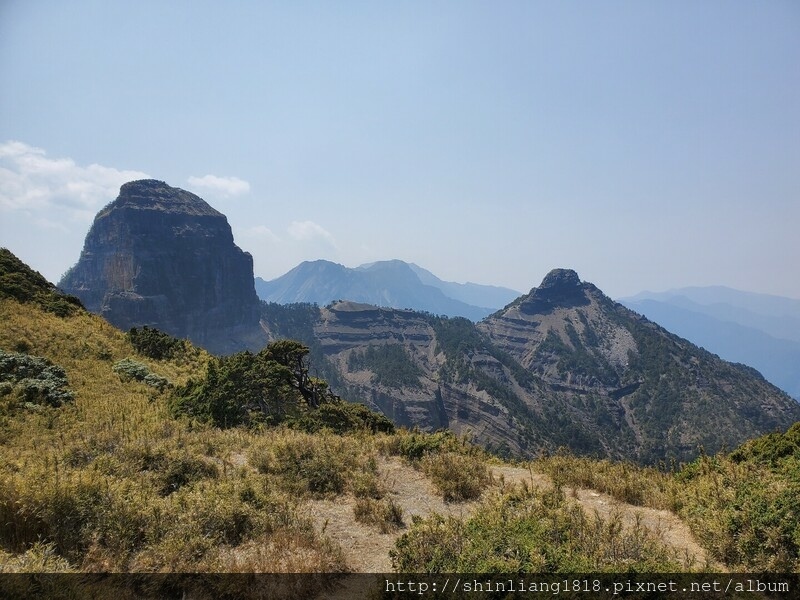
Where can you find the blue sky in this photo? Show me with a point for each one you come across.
(646, 145)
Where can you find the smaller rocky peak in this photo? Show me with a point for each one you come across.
(152, 194)
(561, 288)
(560, 278)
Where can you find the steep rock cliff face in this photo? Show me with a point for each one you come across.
(161, 256)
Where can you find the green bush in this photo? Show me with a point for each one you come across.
(321, 464)
(414, 445)
(317, 466)
(239, 389)
(366, 484)
(343, 417)
(171, 468)
(59, 513)
(155, 344)
(39, 558)
(525, 531)
(19, 281)
(265, 388)
(771, 450)
(745, 506)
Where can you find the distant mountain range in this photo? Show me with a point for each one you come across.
(391, 283)
(759, 330)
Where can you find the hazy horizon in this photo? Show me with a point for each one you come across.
(647, 147)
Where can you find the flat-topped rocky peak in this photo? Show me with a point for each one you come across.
(151, 194)
(163, 257)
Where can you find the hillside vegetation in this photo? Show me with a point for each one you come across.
(146, 454)
(563, 366)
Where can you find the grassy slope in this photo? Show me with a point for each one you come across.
(114, 483)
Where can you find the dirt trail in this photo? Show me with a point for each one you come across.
(367, 551)
(666, 525)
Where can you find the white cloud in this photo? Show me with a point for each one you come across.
(304, 231)
(224, 186)
(32, 182)
(260, 231)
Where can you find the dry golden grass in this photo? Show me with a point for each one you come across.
(112, 482)
(629, 483)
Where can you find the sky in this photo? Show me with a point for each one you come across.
(647, 145)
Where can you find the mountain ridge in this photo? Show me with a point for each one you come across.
(562, 365)
(774, 358)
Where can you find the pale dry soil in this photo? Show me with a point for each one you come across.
(367, 550)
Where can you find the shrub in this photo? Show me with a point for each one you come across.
(433, 545)
(269, 388)
(343, 417)
(626, 482)
(129, 369)
(58, 512)
(155, 344)
(365, 484)
(240, 389)
(322, 464)
(35, 379)
(414, 445)
(316, 465)
(525, 531)
(458, 477)
(39, 558)
(745, 508)
(19, 281)
(182, 471)
(385, 514)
